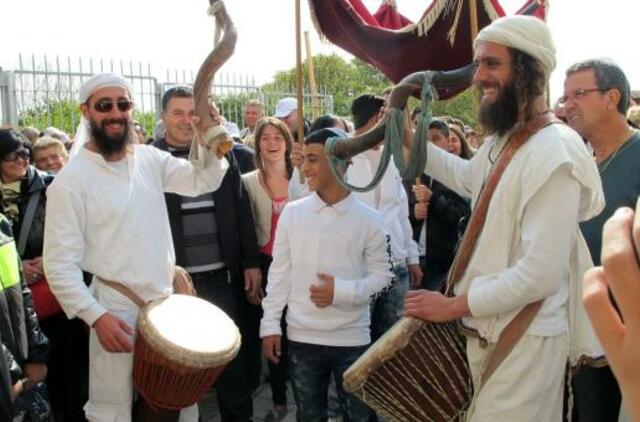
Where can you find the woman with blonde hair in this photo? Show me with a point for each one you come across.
(268, 191)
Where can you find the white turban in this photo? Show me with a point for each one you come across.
(102, 80)
(91, 85)
(525, 33)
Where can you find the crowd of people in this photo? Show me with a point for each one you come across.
(312, 273)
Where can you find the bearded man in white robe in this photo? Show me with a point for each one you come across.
(106, 214)
(530, 248)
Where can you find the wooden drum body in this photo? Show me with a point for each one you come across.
(417, 371)
(183, 345)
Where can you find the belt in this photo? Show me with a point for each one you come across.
(220, 273)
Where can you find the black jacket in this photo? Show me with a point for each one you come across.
(20, 334)
(234, 219)
(447, 212)
(36, 182)
(245, 157)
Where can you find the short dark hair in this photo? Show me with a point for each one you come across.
(324, 121)
(364, 107)
(439, 125)
(320, 136)
(180, 91)
(11, 140)
(608, 76)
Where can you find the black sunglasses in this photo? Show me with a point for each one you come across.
(13, 156)
(105, 105)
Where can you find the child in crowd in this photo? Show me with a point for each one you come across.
(331, 255)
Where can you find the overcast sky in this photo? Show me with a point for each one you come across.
(179, 34)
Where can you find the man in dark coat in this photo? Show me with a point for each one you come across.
(214, 240)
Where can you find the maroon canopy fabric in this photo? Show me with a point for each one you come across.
(440, 40)
(389, 18)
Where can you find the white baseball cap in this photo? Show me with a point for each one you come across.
(286, 106)
(232, 128)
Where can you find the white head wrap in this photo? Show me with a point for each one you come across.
(102, 80)
(91, 85)
(525, 33)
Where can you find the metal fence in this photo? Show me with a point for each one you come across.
(43, 91)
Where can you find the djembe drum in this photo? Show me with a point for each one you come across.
(183, 345)
(415, 371)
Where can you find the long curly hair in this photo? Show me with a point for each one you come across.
(286, 134)
(530, 82)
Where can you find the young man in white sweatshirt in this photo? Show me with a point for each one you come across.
(331, 255)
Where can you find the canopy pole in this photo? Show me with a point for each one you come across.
(300, 111)
(473, 14)
(312, 77)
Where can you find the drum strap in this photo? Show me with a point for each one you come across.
(122, 289)
(519, 324)
(182, 284)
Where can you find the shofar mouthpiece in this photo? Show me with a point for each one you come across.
(218, 139)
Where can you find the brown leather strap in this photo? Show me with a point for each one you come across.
(479, 214)
(509, 337)
(182, 284)
(519, 324)
(121, 288)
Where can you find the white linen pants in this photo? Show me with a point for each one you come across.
(110, 374)
(527, 386)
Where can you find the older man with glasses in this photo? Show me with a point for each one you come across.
(107, 215)
(596, 99)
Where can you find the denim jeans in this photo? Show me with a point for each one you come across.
(311, 367)
(388, 307)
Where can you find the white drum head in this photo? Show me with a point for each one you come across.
(189, 330)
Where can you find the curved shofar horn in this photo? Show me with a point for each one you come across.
(409, 85)
(202, 87)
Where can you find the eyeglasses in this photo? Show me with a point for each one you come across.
(105, 106)
(579, 94)
(13, 156)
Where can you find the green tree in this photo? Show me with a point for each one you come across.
(341, 79)
(147, 120)
(462, 106)
(57, 113)
(346, 80)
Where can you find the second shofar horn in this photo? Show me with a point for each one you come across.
(206, 127)
(409, 85)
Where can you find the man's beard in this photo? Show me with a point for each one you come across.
(502, 114)
(106, 143)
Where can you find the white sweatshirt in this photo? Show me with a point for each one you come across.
(388, 197)
(345, 240)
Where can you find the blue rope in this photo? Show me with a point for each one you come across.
(393, 145)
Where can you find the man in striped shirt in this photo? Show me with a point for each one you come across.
(214, 239)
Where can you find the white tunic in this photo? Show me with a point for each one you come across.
(530, 249)
(388, 197)
(117, 227)
(531, 234)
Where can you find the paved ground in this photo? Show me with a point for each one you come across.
(261, 405)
